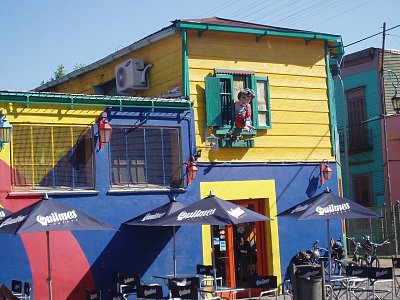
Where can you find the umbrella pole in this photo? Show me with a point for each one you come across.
(173, 228)
(213, 258)
(329, 250)
(48, 266)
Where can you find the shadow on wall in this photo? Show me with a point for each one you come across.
(132, 250)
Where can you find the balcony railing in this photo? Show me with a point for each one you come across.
(359, 139)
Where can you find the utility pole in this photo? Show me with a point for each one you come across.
(388, 198)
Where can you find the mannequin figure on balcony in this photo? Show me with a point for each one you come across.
(243, 113)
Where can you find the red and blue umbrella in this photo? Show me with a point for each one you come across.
(48, 215)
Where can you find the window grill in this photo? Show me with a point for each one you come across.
(52, 157)
(145, 157)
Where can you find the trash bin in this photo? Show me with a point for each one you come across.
(308, 282)
(309, 288)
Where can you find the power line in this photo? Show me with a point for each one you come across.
(371, 36)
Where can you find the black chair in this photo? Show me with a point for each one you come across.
(191, 292)
(149, 292)
(127, 284)
(207, 276)
(184, 281)
(381, 279)
(267, 284)
(16, 288)
(116, 296)
(27, 290)
(396, 274)
(93, 295)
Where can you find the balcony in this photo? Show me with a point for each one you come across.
(359, 139)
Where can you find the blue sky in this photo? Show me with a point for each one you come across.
(38, 35)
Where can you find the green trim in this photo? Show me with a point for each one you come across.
(332, 122)
(258, 31)
(268, 102)
(73, 100)
(185, 66)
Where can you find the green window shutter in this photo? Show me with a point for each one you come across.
(213, 101)
(261, 104)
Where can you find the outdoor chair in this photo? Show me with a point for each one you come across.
(116, 296)
(149, 292)
(192, 292)
(93, 295)
(375, 283)
(396, 274)
(192, 281)
(27, 290)
(267, 284)
(357, 285)
(207, 276)
(382, 283)
(287, 289)
(16, 288)
(127, 284)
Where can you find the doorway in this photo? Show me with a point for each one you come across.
(240, 250)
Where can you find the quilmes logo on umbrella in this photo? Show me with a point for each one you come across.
(324, 210)
(11, 221)
(150, 216)
(198, 213)
(57, 218)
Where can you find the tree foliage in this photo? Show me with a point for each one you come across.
(61, 71)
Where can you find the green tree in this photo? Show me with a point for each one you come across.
(61, 71)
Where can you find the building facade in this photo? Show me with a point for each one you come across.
(197, 67)
(368, 125)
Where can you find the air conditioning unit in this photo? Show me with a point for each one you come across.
(131, 75)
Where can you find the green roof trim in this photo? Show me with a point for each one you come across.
(73, 100)
(259, 31)
(336, 39)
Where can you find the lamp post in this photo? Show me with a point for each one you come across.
(191, 170)
(105, 130)
(5, 129)
(396, 103)
(325, 171)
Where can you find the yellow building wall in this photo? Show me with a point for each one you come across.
(166, 73)
(48, 115)
(298, 93)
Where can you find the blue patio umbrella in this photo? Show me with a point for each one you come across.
(4, 213)
(48, 215)
(328, 206)
(155, 217)
(212, 211)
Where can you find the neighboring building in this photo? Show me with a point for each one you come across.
(204, 63)
(371, 127)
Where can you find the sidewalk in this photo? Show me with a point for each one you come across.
(384, 262)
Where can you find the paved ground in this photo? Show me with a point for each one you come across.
(384, 263)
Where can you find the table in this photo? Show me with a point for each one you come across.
(340, 284)
(228, 293)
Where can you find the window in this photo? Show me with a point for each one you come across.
(221, 94)
(362, 189)
(52, 157)
(145, 157)
(359, 136)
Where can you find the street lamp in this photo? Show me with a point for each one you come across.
(396, 103)
(395, 98)
(105, 130)
(325, 171)
(191, 169)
